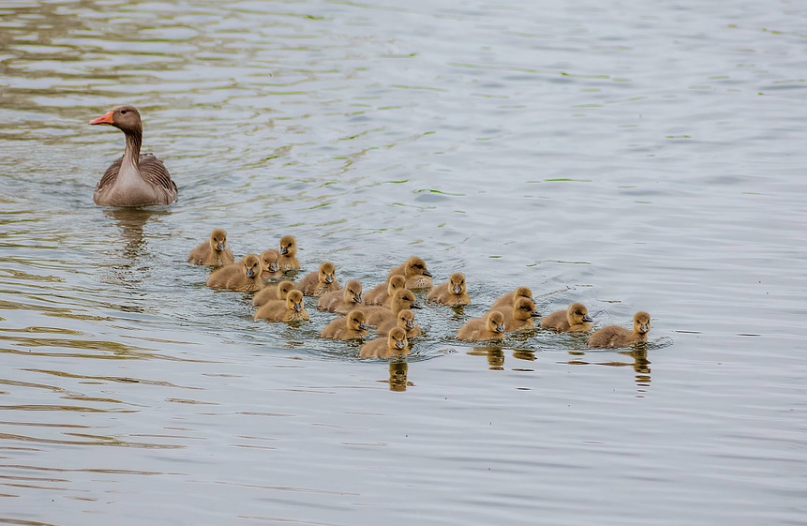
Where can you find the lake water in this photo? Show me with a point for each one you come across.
(628, 155)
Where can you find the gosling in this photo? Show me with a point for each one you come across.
(288, 254)
(573, 319)
(382, 294)
(317, 283)
(341, 301)
(275, 291)
(395, 344)
(214, 252)
(416, 274)
(286, 311)
(491, 327)
(405, 319)
(244, 276)
(616, 336)
(453, 293)
(351, 327)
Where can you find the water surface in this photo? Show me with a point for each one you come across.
(626, 155)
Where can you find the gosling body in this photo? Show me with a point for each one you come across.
(573, 319)
(341, 301)
(244, 276)
(405, 319)
(292, 309)
(318, 283)
(614, 336)
(273, 292)
(288, 254)
(453, 293)
(214, 252)
(351, 327)
(394, 344)
(382, 294)
(415, 272)
(491, 327)
(508, 300)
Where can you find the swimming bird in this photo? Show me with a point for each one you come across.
(272, 292)
(214, 252)
(573, 319)
(244, 276)
(269, 262)
(405, 319)
(317, 283)
(135, 179)
(351, 327)
(394, 344)
(507, 300)
(292, 309)
(616, 336)
(491, 327)
(376, 315)
(453, 293)
(382, 294)
(416, 274)
(521, 316)
(288, 254)
(342, 301)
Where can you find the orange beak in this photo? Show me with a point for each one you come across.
(106, 118)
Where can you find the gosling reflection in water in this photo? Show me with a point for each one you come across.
(495, 356)
(640, 363)
(398, 371)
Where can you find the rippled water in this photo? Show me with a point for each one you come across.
(627, 155)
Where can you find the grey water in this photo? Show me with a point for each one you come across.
(627, 155)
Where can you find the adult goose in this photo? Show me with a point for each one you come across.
(135, 179)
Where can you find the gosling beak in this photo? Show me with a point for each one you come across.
(357, 298)
(363, 327)
(415, 306)
(250, 273)
(457, 289)
(410, 324)
(106, 118)
(500, 328)
(427, 273)
(536, 314)
(298, 307)
(587, 318)
(221, 247)
(644, 328)
(399, 344)
(273, 267)
(329, 279)
(284, 251)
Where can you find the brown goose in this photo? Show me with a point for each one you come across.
(491, 327)
(134, 179)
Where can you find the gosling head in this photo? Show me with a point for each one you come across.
(352, 292)
(495, 322)
(577, 313)
(396, 282)
(457, 283)
(269, 260)
(355, 321)
(283, 289)
(218, 240)
(288, 246)
(252, 266)
(524, 309)
(406, 319)
(396, 339)
(327, 273)
(415, 266)
(522, 292)
(294, 301)
(404, 299)
(641, 322)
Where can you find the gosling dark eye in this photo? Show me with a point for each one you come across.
(123, 112)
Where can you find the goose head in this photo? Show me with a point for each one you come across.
(641, 322)
(415, 266)
(396, 340)
(355, 321)
(125, 118)
(494, 322)
(326, 273)
(252, 266)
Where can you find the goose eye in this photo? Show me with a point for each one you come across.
(123, 112)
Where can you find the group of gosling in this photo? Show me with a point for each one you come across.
(387, 307)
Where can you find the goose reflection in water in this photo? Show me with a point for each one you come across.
(398, 371)
(127, 272)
